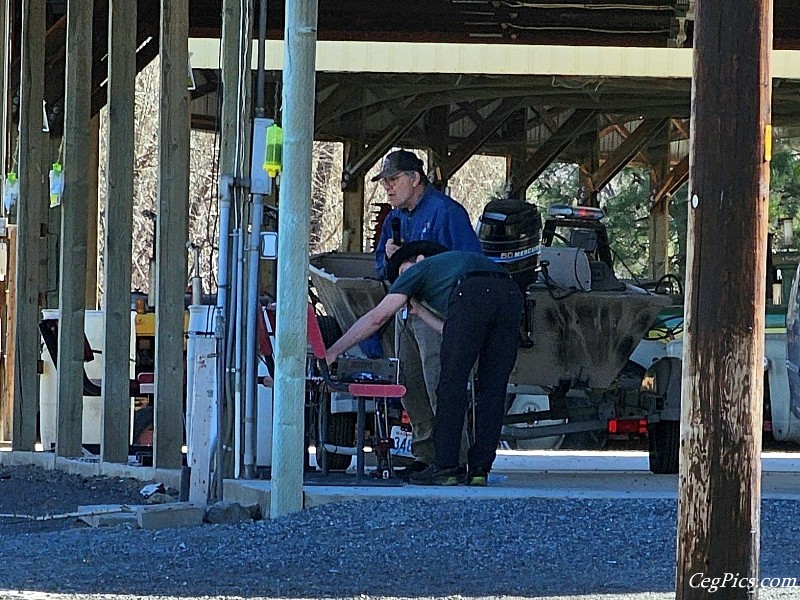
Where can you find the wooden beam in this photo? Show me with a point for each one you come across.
(436, 130)
(676, 178)
(483, 131)
(646, 131)
(719, 484)
(588, 146)
(515, 130)
(353, 192)
(353, 210)
(172, 225)
(553, 146)
(118, 230)
(30, 217)
(6, 407)
(74, 215)
(406, 118)
(92, 213)
(658, 250)
(9, 367)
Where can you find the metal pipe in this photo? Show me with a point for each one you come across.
(251, 366)
(238, 345)
(220, 327)
(253, 305)
(261, 58)
(300, 37)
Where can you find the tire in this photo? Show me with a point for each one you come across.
(330, 330)
(663, 443)
(341, 431)
(143, 420)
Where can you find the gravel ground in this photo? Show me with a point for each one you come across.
(369, 549)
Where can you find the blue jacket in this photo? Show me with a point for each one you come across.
(436, 218)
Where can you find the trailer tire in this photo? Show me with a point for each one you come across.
(663, 442)
(143, 422)
(330, 329)
(341, 431)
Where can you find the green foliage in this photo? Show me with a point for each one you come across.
(784, 191)
(626, 203)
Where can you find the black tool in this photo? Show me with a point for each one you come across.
(396, 231)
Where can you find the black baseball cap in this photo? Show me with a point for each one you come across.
(410, 251)
(400, 161)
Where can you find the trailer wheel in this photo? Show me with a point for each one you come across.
(663, 441)
(143, 419)
(330, 329)
(341, 431)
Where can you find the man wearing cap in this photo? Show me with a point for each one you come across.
(419, 213)
(478, 308)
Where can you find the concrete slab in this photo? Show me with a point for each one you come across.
(103, 515)
(49, 461)
(168, 516)
(535, 474)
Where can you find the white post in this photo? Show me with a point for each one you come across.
(294, 215)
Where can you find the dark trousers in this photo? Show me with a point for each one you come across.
(482, 323)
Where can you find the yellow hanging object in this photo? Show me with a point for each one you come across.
(273, 155)
(56, 184)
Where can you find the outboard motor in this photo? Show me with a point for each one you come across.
(510, 233)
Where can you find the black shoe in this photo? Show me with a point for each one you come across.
(435, 475)
(461, 474)
(416, 467)
(478, 477)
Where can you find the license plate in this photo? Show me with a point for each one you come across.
(402, 442)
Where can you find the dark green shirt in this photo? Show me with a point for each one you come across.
(432, 280)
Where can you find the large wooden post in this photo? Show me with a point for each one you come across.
(173, 231)
(659, 213)
(92, 213)
(723, 368)
(31, 215)
(6, 409)
(118, 229)
(300, 39)
(589, 144)
(74, 214)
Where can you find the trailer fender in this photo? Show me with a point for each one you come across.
(663, 379)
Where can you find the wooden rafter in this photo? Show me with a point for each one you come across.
(645, 132)
(676, 178)
(477, 138)
(551, 148)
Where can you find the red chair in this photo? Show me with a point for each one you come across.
(360, 391)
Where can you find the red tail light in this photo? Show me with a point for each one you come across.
(627, 426)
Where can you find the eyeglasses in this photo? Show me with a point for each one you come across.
(390, 182)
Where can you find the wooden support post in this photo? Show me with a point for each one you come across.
(300, 41)
(516, 132)
(74, 215)
(30, 217)
(723, 368)
(659, 213)
(437, 131)
(9, 346)
(6, 408)
(353, 188)
(118, 230)
(92, 214)
(589, 143)
(234, 136)
(352, 207)
(173, 232)
(549, 151)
